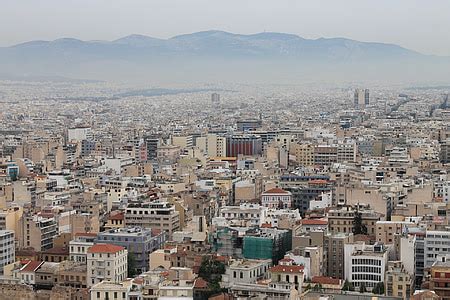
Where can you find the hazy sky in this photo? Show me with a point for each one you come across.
(422, 25)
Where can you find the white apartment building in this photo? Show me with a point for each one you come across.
(250, 214)
(436, 243)
(365, 264)
(276, 198)
(7, 248)
(80, 133)
(246, 271)
(106, 262)
(79, 246)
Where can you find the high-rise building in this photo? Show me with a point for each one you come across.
(152, 144)
(215, 99)
(361, 97)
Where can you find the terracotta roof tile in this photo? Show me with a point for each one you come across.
(287, 269)
(276, 191)
(325, 280)
(105, 248)
(314, 222)
(31, 266)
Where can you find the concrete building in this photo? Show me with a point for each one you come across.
(385, 230)
(365, 264)
(246, 271)
(79, 133)
(7, 248)
(341, 220)
(361, 97)
(435, 243)
(243, 144)
(158, 215)
(78, 247)
(439, 281)
(139, 242)
(108, 290)
(398, 282)
(334, 251)
(276, 198)
(106, 262)
(212, 145)
(36, 232)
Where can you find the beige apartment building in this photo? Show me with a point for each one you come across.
(386, 230)
(36, 232)
(304, 154)
(157, 215)
(9, 217)
(106, 262)
(341, 220)
(398, 283)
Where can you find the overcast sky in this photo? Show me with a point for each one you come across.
(416, 24)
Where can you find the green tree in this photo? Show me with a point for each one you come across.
(317, 287)
(131, 261)
(211, 269)
(358, 226)
(308, 287)
(348, 286)
(378, 289)
(362, 288)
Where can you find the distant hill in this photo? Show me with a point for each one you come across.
(214, 55)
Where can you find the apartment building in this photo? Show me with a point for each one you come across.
(139, 242)
(106, 262)
(7, 248)
(158, 215)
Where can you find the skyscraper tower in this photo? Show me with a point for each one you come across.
(215, 99)
(361, 97)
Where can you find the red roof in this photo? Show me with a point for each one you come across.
(105, 248)
(31, 266)
(325, 280)
(117, 216)
(200, 283)
(287, 269)
(314, 222)
(276, 191)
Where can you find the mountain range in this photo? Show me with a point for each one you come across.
(216, 55)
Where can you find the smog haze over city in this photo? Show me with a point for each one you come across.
(212, 149)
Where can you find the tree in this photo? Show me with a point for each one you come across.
(308, 287)
(211, 270)
(378, 289)
(131, 262)
(348, 286)
(362, 288)
(358, 226)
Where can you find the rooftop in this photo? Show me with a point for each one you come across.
(105, 248)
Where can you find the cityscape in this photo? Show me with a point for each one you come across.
(315, 189)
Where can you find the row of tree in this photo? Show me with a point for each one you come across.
(378, 289)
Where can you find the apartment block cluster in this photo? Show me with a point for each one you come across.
(280, 200)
